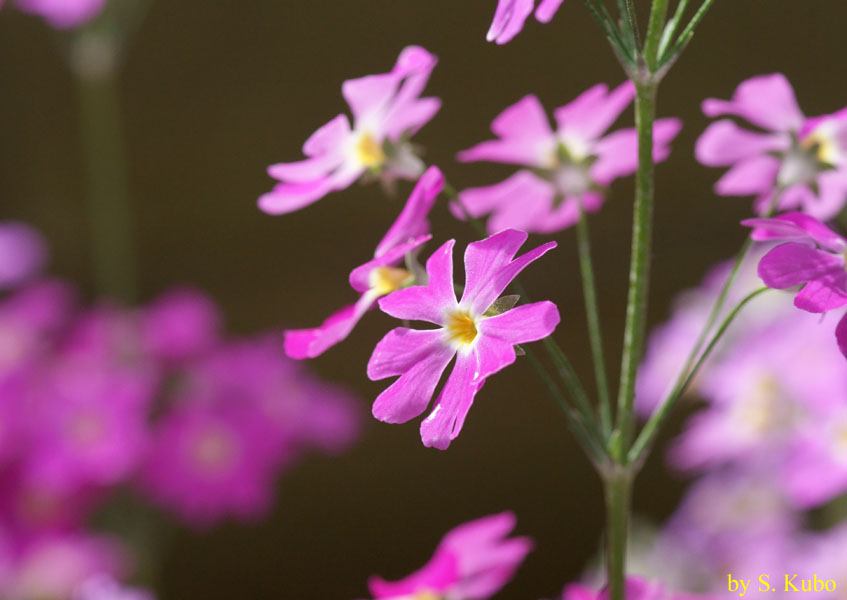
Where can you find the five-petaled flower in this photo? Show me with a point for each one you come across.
(377, 277)
(475, 330)
(510, 16)
(568, 169)
(387, 109)
(473, 562)
(801, 160)
(813, 255)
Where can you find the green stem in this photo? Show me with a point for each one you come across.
(651, 429)
(639, 273)
(687, 34)
(670, 29)
(618, 491)
(610, 30)
(589, 290)
(632, 19)
(658, 15)
(107, 196)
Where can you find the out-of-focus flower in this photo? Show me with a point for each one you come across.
(377, 277)
(55, 566)
(813, 256)
(473, 562)
(820, 556)
(510, 16)
(800, 159)
(568, 169)
(476, 330)
(636, 588)
(102, 587)
(181, 324)
(387, 110)
(22, 253)
(63, 14)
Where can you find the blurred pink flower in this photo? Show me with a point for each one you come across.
(377, 277)
(63, 14)
(481, 339)
(510, 16)
(102, 587)
(387, 109)
(568, 169)
(22, 253)
(804, 157)
(636, 588)
(473, 562)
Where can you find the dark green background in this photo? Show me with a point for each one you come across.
(214, 91)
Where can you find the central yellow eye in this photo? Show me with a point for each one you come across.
(213, 452)
(369, 152)
(822, 147)
(426, 595)
(385, 280)
(460, 327)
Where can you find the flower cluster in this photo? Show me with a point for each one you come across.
(153, 401)
(771, 442)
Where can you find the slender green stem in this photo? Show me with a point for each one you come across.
(651, 429)
(589, 290)
(626, 28)
(109, 208)
(686, 35)
(610, 30)
(618, 492)
(672, 26)
(592, 447)
(639, 273)
(658, 15)
(632, 18)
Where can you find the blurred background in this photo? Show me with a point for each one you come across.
(213, 92)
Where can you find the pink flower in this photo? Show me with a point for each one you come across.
(475, 330)
(567, 168)
(386, 110)
(180, 325)
(815, 257)
(64, 14)
(804, 157)
(377, 277)
(510, 16)
(209, 462)
(473, 562)
(22, 253)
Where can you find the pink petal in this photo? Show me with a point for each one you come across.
(288, 197)
(309, 343)
(509, 20)
(767, 101)
(360, 276)
(567, 213)
(437, 575)
(426, 302)
(796, 226)
(523, 201)
(329, 138)
(593, 111)
(547, 9)
(754, 175)
(419, 357)
(408, 112)
(489, 267)
(724, 143)
(792, 264)
(831, 197)
(617, 153)
(409, 118)
(824, 294)
(526, 136)
(841, 335)
(369, 95)
(525, 323)
(412, 220)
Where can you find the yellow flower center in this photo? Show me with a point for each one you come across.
(822, 147)
(385, 280)
(369, 152)
(426, 595)
(460, 327)
(213, 452)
